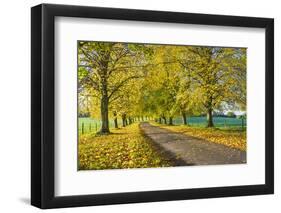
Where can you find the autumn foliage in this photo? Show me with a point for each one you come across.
(124, 148)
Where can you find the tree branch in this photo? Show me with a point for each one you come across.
(121, 84)
(87, 80)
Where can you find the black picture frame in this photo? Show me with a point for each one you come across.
(43, 102)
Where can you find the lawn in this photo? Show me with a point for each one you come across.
(231, 137)
(123, 148)
(222, 122)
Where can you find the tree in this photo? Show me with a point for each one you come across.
(127, 104)
(162, 84)
(238, 94)
(104, 68)
(231, 114)
(211, 70)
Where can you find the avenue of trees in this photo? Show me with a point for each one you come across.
(135, 81)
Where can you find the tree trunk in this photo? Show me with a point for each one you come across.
(210, 122)
(104, 115)
(104, 100)
(115, 123)
(160, 120)
(170, 120)
(115, 120)
(165, 120)
(123, 120)
(184, 118)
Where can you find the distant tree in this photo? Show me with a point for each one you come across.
(231, 114)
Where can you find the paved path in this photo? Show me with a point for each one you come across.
(189, 150)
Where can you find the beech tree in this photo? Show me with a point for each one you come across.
(104, 68)
(212, 70)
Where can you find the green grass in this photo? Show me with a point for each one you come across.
(92, 125)
(223, 122)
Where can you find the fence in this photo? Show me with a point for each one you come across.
(87, 125)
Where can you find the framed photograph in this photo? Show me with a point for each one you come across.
(139, 106)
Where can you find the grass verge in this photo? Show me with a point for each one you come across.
(228, 137)
(124, 148)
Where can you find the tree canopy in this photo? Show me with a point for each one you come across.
(131, 81)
